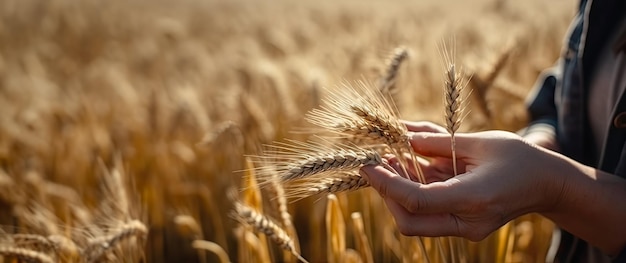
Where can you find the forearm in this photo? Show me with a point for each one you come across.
(591, 205)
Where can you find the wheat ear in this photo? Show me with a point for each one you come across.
(262, 224)
(97, 247)
(363, 114)
(300, 160)
(340, 182)
(393, 132)
(24, 254)
(454, 112)
(33, 241)
(388, 81)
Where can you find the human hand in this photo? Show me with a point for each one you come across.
(504, 177)
(437, 168)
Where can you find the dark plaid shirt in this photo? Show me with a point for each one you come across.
(560, 101)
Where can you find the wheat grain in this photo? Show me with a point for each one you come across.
(262, 224)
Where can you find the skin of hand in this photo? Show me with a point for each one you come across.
(502, 176)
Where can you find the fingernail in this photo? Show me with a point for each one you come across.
(363, 172)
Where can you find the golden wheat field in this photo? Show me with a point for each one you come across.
(129, 128)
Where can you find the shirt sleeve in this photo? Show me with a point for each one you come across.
(541, 103)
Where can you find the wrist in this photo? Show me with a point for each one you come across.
(584, 203)
(556, 186)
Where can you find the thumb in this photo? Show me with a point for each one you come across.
(436, 197)
(424, 126)
(438, 144)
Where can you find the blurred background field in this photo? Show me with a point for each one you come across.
(173, 95)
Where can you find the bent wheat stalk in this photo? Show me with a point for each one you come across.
(281, 206)
(262, 224)
(212, 247)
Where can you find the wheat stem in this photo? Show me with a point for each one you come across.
(213, 247)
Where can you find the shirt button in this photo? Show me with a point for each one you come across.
(620, 120)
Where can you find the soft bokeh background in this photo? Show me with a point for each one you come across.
(181, 91)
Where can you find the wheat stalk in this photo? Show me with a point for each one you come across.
(454, 106)
(262, 224)
(335, 230)
(362, 241)
(213, 247)
(188, 226)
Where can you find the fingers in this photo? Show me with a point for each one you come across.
(438, 144)
(429, 225)
(423, 126)
(414, 197)
(434, 171)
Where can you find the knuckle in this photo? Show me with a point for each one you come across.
(382, 189)
(412, 202)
